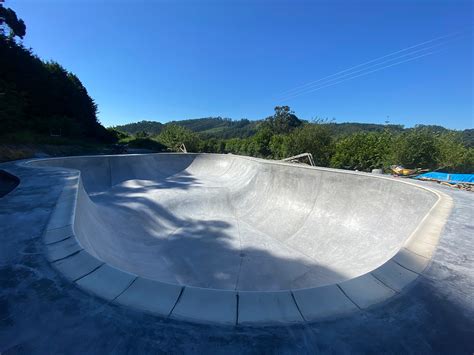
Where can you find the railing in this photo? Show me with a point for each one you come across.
(182, 148)
(299, 159)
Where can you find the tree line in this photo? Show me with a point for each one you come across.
(283, 135)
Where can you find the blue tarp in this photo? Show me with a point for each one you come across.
(452, 178)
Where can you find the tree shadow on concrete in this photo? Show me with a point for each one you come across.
(146, 237)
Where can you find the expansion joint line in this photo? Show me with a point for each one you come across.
(126, 288)
(177, 301)
(237, 305)
(88, 273)
(350, 299)
(59, 241)
(406, 268)
(383, 283)
(297, 306)
(67, 256)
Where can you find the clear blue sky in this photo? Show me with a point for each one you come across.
(171, 60)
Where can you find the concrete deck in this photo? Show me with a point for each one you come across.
(26, 211)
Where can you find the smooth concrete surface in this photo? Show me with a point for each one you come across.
(235, 236)
(43, 312)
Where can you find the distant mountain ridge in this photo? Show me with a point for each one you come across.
(150, 127)
(225, 128)
(210, 127)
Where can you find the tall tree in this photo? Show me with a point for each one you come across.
(283, 121)
(9, 19)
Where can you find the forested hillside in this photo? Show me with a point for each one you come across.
(225, 128)
(38, 97)
(211, 127)
(148, 127)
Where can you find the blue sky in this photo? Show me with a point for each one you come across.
(171, 60)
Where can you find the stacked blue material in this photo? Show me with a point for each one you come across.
(451, 178)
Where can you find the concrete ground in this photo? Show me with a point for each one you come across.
(40, 312)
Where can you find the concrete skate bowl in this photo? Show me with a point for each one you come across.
(236, 240)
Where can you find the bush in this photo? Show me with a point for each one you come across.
(416, 148)
(279, 144)
(453, 156)
(211, 145)
(146, 143)
(311, 138)
(173, 136)
(363, 151)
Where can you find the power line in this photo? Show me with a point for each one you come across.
(374, 60)
(357, 76)
(315, 85)
(323, 82)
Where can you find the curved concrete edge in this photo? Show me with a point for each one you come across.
(227, 307)
(206, 305)
(151, 296)
(268, 308)
(323, 303)
(106, 282)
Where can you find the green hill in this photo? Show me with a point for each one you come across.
(150, 127)
(208, 127)
(225, 128)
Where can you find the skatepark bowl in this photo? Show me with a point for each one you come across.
(235, 240)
